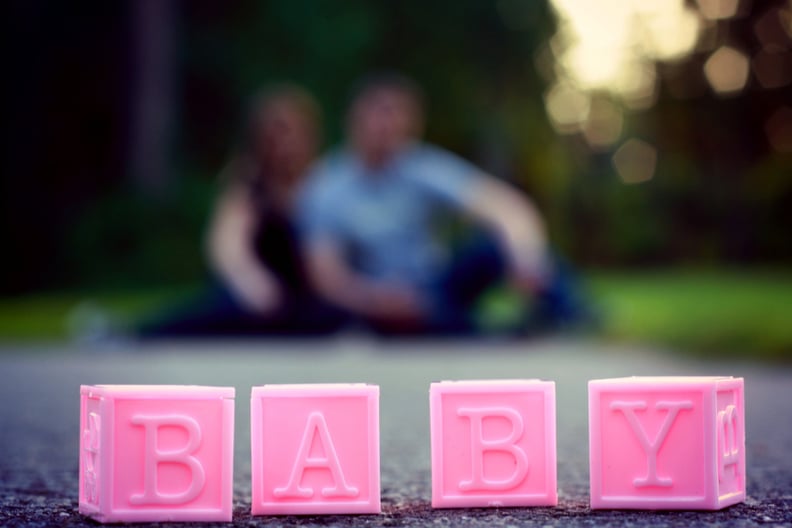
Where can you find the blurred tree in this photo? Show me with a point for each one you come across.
(63, 121)
(154, 25)
(111, 104)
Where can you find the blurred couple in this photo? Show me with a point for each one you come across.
(308, 245)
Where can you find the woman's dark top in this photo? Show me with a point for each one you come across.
(278, 248)
(277, 244)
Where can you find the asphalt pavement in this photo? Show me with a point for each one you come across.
(39, 420)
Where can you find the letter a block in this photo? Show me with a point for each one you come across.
(156, 453)
(315, 449)
(667, 443)
(493, 443)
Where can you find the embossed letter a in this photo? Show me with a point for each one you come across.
(316, 426)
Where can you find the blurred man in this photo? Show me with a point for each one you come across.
(366, 215)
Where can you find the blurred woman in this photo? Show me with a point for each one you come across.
(252, 246)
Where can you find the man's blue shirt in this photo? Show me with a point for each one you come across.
(382, 218)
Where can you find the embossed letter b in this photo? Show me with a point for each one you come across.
(479, 446)
(155, 456)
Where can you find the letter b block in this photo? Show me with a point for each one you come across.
(667, 443)
(493, 443)
(315, 449)
(156, 453)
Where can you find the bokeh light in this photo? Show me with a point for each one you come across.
(603, 58)
(611, 45)
(773, 69)
(567, 107)
(604, 125)
(635, 161)
(727, 71)
(773, 29)
(669, 30)
(718, 9)
(609, 58)
(779, 129)
(786, 19)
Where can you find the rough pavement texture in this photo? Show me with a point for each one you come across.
(39, 416)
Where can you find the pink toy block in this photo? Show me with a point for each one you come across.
(493, 443)
(667, 443)
(315, 449)
(156, 453)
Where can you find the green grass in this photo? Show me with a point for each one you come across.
(51, 316)
(708, 313)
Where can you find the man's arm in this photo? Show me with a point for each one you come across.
(518, 225)
(232, 255)
(336, 281)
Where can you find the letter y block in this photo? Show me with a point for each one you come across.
(493, 443)
(667, 443)
(156, 453)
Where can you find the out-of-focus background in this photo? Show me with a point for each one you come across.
(655, 136)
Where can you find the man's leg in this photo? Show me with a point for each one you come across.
(561, 304)
(476, 267)
(213, 313)
(480, 266)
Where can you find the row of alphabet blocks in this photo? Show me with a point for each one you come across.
(165, 453)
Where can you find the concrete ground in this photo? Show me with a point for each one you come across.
(39, 396)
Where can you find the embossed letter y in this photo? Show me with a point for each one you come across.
(651, 448)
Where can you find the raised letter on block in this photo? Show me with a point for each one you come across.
(651, 448)
(493, 443)
(315, 449)
(316, 427)
(666, 442)
(507, 445)
(154, 456)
